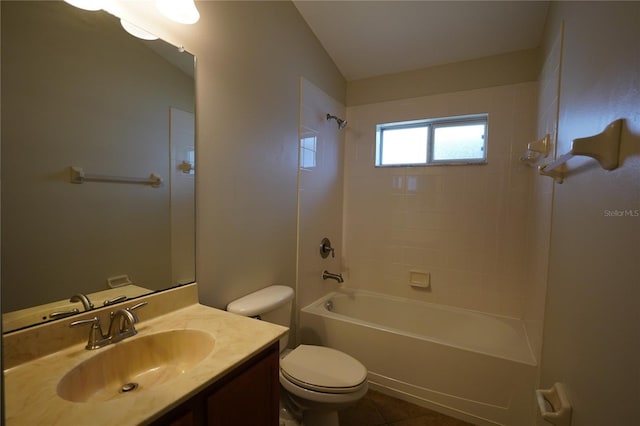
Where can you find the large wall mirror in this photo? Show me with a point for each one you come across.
(80, 92)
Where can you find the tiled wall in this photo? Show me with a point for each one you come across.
(320, 193)
(540, 200)
(464, 225)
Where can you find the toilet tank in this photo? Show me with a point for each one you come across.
(272, 304)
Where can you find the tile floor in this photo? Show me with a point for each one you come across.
(377, 409)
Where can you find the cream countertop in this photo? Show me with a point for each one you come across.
(30, 387)
(39, 314)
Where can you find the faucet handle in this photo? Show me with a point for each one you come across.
(137, 306)
(325, 248)
(62, 314)
(115, 300)
(95, 321)
(96, 338)
(133, 308)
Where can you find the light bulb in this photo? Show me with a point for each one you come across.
(86, 4)
(136, 31)
(182, 11)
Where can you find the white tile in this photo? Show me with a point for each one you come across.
(464, 224)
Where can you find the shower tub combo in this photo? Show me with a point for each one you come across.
(469, 364)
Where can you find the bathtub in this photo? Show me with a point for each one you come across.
(472, 365)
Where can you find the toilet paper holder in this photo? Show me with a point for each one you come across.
(556, 398)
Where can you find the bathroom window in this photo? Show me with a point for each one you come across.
(308, 150)
(451, 140)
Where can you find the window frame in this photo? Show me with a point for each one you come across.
(431, 124)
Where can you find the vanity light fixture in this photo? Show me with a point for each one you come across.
(86, 4)
(181, 11)
(136, 31)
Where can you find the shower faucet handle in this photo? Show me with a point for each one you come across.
(325, 248)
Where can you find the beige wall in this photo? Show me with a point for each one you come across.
(592, 332)
(508, 68)
(250, 56)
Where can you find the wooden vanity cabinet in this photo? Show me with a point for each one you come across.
(246, 396)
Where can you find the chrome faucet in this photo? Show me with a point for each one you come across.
(122, 325)
(79, 297)
(328, 275)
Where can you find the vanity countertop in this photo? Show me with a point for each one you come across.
(38, 314)
(30, 388)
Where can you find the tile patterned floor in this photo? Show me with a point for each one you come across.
(377, 409)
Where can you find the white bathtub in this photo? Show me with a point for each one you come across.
(473, 365)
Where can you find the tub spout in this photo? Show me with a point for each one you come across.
(338, 277)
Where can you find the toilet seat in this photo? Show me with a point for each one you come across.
(314, 400)
(323, 369)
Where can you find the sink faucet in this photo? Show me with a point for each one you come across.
(122, 325)
(326, 275)
(79, 297)
(97, 338)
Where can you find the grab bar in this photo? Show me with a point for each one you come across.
(79, 176)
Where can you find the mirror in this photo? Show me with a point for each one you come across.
(79, 91)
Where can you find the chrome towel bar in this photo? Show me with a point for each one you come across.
(77, 175)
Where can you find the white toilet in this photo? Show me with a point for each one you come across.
(316, 381)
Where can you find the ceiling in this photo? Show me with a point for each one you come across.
(371, 38)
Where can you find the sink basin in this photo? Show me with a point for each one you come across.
(131, 366)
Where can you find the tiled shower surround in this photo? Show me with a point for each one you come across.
(465, 225)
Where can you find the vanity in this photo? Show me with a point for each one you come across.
(188, 364)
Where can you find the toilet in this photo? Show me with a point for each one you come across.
(315, 381)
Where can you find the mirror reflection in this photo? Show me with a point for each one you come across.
(80, 92)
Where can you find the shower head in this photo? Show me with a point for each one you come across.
(341, 123)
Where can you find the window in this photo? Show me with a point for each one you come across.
(451, 140)
(308, 146)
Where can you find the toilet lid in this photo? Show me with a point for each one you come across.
(323, 369)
